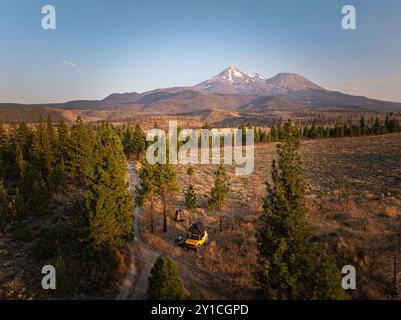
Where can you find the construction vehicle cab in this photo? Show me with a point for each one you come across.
(196, 236)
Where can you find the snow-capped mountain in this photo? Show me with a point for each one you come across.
(234, 81)
(233, 90)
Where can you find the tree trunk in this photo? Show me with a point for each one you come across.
(151, 216)
(164, 214)
(221, 222)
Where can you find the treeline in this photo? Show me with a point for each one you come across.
(391, 124)
(44, 168)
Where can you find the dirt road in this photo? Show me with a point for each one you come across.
(142, 256)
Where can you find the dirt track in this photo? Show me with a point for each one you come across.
(142, 257)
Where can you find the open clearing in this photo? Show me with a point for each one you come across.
(354, 201)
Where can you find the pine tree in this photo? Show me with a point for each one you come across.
(166, 180)
(376, 126)
(80, 148)
(305, 132)
(34, 190)
(362, 126)
(50, 131)
(219, 192)
(3, 201)
(190, 199)
(257, 136)
(274, 134)
(147, 190)
(42, 153)
(138, 143)
(386, 124)
(190, 173)
(4, 145)
(313, 132)
(109, 207)
(291, 266)
(62, 139)
(22, 140)
(16, 204)
(165, 282)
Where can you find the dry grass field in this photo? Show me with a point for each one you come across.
(354, 203)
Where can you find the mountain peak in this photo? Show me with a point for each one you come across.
(232, 73)
(292, 81)
(234, 81)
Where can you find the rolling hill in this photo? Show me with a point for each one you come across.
(231, 89)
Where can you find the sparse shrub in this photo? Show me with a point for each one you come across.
(24, 232)
(45, 249)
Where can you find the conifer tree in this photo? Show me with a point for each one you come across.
(147, 190)
(138, 144)
(257, 136)
(190, 199)
(62, 139)
(386, 128)
(164, 281)
(190, 194)
(166, 180)
(4, 148)
(22, 140)
(376, 126)
(190, 173)
(362, 126)
(291, 266)
(219, 192)
(34, 190)
(264, 137)
(41, 152)
(274, 134)
(3, 201)
(109, 207)
(80, 148)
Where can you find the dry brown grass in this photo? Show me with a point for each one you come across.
(354, 205)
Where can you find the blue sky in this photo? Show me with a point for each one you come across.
(100, 47)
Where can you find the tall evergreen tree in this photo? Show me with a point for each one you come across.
(291, 266)
(62, 139)
(219, 193)
(34, 190)
(165, 282)
(362, 126)
(147, 190)
(376, 126)
(80, 148)
(3, 201)
(138, 144)
(42, 153)
(166, 179)
(109, 207)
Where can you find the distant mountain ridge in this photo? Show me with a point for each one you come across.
(231, 89)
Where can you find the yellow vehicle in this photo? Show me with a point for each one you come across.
(196, 236)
